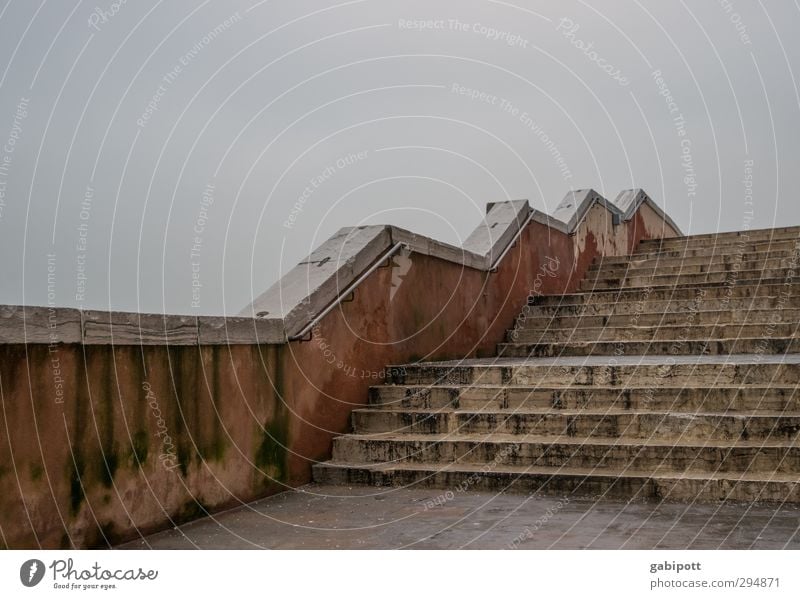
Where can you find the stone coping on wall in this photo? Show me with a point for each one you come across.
(304, 292)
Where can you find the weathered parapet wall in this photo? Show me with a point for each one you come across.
(117, 424)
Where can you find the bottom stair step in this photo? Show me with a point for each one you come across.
(628, 484)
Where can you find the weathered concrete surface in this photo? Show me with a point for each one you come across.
(492, 426)
(248, 412)
(319, 517)
(465, 313)
(99, 443)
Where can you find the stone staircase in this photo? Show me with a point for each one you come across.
(673, 373)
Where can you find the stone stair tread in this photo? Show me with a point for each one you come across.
(598, 274)
(632, 360)
(584, 342)
(743, 414)
(654, 245)
(612, 271)
(573, 300)
(617, 287)
(720, 260)
(648, 327)
(466, 468)
(693, 284)
(706, 251)
(738, 233)
(577, 387)
(648, 314)
(634, 296)
(567, 440)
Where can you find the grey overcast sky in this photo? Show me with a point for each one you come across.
(177, 156)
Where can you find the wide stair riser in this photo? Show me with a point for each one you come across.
(744, 277)
(662, 261)
(746, 233)
(647, 425)
(716, 347)
(641, 375)
(638, 318)
(730, 309)
(632, 270)
(786, 295)
(683, 251)
(566, 484)
(734, 239)
(708, 456)
(688, 329)
(683, 399)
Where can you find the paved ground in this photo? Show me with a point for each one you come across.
(317, 517)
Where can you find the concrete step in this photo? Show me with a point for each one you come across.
(659, 260)
(573, 452)
(748, 233)
(610, 423)
(689, 329)
(673, 374)
(616, 371)
(734, 306)
(679, 251)
(714, 398)
(666, 347)
(574, 482)
(633, 270)
(741, 315)
(731, 238)
(744, 277)
(788, 295)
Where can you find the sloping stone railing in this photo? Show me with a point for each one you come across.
(118, 424)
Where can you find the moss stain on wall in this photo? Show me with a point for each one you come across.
(183, 392)
(272, 453)
(109, 460)
(218, 445)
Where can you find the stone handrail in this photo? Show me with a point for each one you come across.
(309, 288)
